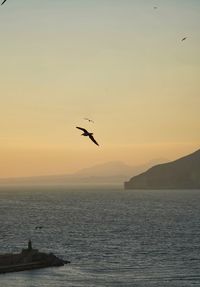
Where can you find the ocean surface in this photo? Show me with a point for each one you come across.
(111, 236)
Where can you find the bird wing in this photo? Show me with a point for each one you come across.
(82, 129)
(3, 2)
(92, 138)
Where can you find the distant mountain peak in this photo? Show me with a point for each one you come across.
(106, 169)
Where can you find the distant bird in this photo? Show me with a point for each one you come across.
(38, 227)
(155, 7)
(184, 39)
(86, 133)
(3, 2)
(89, 120)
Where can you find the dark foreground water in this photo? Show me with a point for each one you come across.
(112, 237)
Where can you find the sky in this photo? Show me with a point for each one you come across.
(120, 63)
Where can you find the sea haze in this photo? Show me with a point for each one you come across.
(112, 237)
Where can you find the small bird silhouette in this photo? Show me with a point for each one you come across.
(89, 120)
(3, 2)
(39, 227)
(155, 7)
(86, 133)
(184, 39)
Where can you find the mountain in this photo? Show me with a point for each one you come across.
(110, 172)
(112, 168)
(183, 173)
(115, 172)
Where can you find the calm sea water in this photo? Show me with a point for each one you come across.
(112, 237)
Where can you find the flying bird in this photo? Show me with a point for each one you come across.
(184, 39)
(3, 2)
(38, 227)
(86, 133)
(89, 120)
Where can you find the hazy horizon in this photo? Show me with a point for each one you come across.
(107, 169)
(120, 63)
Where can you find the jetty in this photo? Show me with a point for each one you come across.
(28, 259)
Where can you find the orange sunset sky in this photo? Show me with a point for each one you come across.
(120, 63)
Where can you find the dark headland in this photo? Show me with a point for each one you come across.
(28, 259)
(183, 173)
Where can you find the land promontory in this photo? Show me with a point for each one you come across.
(183, 173)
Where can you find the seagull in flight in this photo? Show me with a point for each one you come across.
(39, 227)
(89, 120)
(86, 133)
(3, 2)
(184, 39)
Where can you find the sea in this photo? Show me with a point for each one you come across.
(113, 237)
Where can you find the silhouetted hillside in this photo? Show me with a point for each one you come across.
(183, 173)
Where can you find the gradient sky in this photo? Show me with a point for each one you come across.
(121, 63)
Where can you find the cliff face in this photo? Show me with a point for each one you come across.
(183, 173)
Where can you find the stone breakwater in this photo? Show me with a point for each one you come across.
(28, 259)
